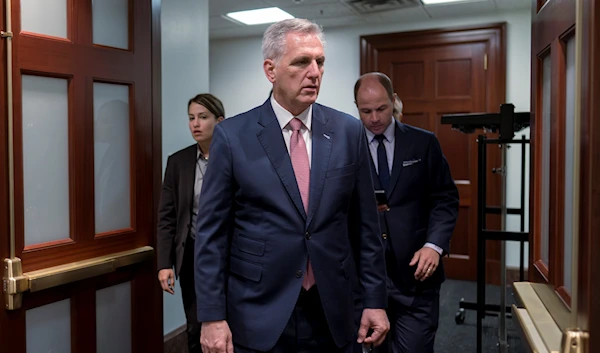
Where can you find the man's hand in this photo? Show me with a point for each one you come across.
(377, 320)
(382, 208)
(166, 277)
(428, 260)
(215, 337)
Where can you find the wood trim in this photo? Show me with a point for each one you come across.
(541, 269)
(6, 318)
(554, 19)
(81, 28)
(557, 163)
(588, 312)
(156, 112)
(564, 295)
(156, 295)
(540, 4)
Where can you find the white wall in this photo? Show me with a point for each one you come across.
(184, 26)
(238, 79)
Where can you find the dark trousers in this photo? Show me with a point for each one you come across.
(413, 322)
(188, 294)
(306, 331)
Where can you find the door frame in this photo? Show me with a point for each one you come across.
(494, 36)
(588, 281)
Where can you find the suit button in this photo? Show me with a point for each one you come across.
(298, 273)
(307, 235)
(384, 236)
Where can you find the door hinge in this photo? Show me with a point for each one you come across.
(4, 34)
(485, 61)
(14, 283)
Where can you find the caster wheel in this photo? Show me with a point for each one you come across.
(459, 318)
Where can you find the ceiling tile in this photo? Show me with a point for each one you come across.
(344, 21)
(512, 4)
(315, 12)
(409, 14)
(289, 3)
(461, 9)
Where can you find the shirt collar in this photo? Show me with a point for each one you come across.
(389, 132)
(199, 154)
(284, 117)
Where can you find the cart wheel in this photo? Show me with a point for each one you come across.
(459, 318)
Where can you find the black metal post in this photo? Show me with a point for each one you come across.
(481, 242)
(522, 213)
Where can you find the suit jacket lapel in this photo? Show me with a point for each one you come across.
(272, 142)
(322, 138)
(188, 176)
(402, 147)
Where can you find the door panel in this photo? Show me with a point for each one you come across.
(444, 72)
(565, 105)
(553, 27)
(86, 167)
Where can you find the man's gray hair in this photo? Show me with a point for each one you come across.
(274, 39)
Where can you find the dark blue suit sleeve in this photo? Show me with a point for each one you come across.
(212, 233)
(443, 198)
(369, 252)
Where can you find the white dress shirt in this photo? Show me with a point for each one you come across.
(284, 117)
(389, 144)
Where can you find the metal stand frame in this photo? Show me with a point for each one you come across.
(506, 122)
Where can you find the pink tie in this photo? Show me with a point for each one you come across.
(299, 156)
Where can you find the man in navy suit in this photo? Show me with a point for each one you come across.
(417, 214)
(288, 227)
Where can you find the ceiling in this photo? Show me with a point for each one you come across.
(345, 13)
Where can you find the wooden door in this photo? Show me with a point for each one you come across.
(587, 261)
(449, 72)
(566, 162)
(80, 160)
(552, 48)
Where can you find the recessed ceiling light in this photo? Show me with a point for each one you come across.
(437, 2)
(260, 16)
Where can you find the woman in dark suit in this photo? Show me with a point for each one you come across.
(179, 207)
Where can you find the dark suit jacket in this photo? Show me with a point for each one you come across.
(422, 201)
(254, 237)
(175, 208)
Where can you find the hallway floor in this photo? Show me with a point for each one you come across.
(453, 338)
